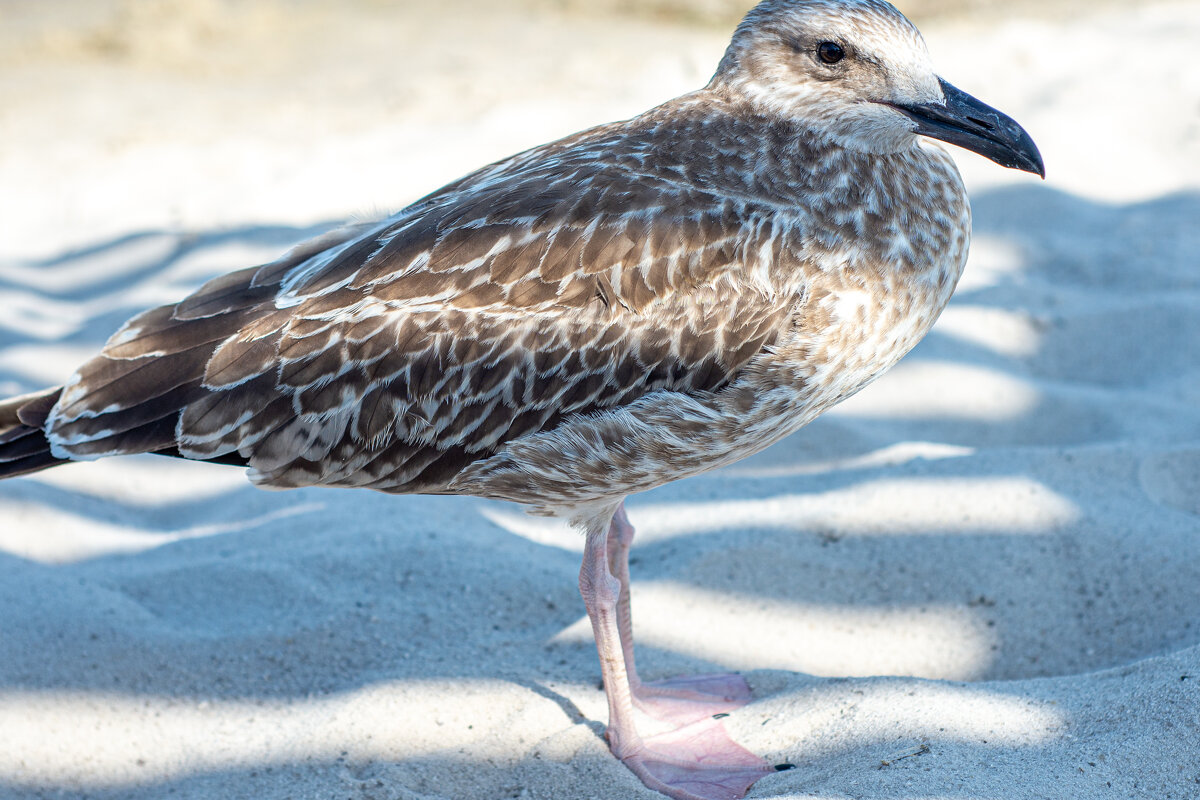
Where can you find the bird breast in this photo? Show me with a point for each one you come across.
(879, 265)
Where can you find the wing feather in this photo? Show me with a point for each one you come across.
(558, 283)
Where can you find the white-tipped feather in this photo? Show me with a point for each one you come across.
(598, 315)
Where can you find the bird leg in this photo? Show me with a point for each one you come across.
(697, 761)
(679, 700)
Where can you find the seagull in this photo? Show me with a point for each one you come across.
(591, 318)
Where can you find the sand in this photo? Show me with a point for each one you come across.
(980, 578)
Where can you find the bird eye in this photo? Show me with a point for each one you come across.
(830, 52)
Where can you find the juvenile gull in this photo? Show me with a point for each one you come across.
(596, 316)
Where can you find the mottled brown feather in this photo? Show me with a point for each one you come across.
(643, 265)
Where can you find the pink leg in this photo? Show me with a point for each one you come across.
(695, 762)
(678, 700)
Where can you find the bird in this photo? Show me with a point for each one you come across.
(588, 319)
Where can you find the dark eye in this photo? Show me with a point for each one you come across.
(830, 52)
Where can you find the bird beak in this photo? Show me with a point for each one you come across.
(966, 122)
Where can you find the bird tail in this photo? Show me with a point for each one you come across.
(23, 444)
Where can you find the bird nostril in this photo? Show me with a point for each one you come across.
(983, 123)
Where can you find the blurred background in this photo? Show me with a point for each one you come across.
(120, 115)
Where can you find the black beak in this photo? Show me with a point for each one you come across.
(968, 123)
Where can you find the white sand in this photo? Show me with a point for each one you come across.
(1008, 524)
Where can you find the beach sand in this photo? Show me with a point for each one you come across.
(979, 578)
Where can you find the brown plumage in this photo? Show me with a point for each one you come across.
(633, 304)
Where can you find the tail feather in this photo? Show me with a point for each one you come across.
(12, 433)
(23, 444)
(129, 398)
(21, 447)
(28, 466)
(34, 409)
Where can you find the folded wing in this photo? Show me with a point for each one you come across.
(393, 356)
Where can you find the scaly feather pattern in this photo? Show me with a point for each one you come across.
(568, 280)
(567, 297)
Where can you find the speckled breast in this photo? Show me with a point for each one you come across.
(867, 274)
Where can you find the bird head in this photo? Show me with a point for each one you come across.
(859, 72)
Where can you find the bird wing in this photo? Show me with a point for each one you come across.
(393, 356)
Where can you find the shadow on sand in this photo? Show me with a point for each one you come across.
(1032, 483)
